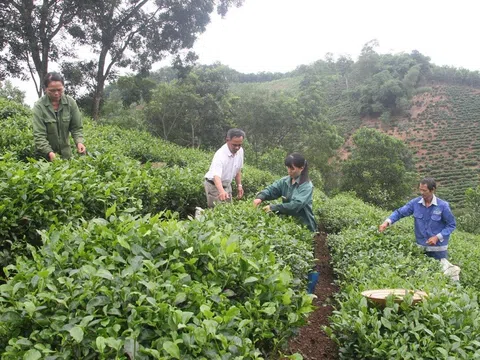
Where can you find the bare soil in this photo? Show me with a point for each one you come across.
(312, 342)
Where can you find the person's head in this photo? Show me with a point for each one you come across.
(235, 139)
(427, 187)
(54, 85)
(297, 166)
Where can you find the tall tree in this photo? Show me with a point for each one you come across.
(380, 170)
(135, 33)
(10, 92)
(270, 119)
(192, 111)
(32, 34)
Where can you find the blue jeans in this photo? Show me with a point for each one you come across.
(437, 254)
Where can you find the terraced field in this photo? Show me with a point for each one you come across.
(447, 139)
(443, 130)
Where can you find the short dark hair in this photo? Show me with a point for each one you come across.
(52, 76)
(299, 161)
(430, 182)
(232, 133)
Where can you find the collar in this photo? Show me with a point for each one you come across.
(45, 100)
(434, 201)
(228, 152)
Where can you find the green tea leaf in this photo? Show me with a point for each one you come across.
(100, 341)
(250, 280)
(77, 333)
(172, 349)
(104, 273)
(32, 354)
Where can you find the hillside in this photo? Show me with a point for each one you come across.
(442, 129)
(290, 84)
(428, 107)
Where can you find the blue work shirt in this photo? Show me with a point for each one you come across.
(437, 219)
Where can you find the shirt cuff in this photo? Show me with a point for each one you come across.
(388, 221)
(440, 237)
(260, 196)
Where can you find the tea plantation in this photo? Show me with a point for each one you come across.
(103, 260)
(123, 271)
(446, 326)
(443, 131)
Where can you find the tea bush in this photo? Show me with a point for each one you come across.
(444, 326)
(129, 286)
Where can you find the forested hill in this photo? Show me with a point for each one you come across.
(441, 127)
(316, 109)
(440, 122)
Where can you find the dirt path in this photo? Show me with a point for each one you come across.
(312, 342)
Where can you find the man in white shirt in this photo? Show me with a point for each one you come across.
(227, 164)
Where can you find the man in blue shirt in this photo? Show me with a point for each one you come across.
(434, 221)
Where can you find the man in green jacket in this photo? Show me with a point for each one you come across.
(55, 116)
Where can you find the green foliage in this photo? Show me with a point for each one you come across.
(270, 119)
(272, 160)
(456, 76)
(134, 89)
(115, 274)
(469, 220)
(280, 120)
(147, 31)
(16, 134)
(130, 169)
(115, 114)
(422, 90)
(442, 326)
(192, 111)
(380, 169)
(344, 211)
(12, 93)
(27, 25)
(130, 286)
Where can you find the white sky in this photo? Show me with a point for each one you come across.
(279, 35)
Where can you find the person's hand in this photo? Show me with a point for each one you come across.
(223, 196)
(51, 156)
(81, 148)
(382, 227)
(240, 191)
(267, 208)
(433, 240)
(257, 202)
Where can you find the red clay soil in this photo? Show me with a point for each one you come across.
(312, 342)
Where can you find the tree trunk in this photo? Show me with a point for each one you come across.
(100, 84)
(193, 135)
(97, 98)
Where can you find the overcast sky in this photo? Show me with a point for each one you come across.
(279, 35)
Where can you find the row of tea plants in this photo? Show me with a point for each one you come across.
(120, 269)
(445, 326)
(154, 287)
